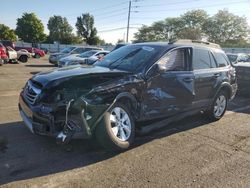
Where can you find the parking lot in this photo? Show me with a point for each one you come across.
(189, 153)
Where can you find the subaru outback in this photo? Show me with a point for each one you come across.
(133, 85)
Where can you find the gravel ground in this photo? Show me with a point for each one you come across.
(189, 153)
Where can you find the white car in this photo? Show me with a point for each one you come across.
(82, 58)
(12, 54)
(23, 55)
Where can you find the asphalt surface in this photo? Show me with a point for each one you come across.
(189, 153)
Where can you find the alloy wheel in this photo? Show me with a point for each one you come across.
(220, 105)
(120, 123)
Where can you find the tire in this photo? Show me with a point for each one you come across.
(219, 106)
(23, 59)
(113, 133)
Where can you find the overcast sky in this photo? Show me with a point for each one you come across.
(111, 15)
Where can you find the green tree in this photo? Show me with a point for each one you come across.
(191, 25)
(85, 28)
(189, 33)
(225, 26)
(6, 33)
(194, 19)
(30, 28)
(120, 41)
(60, 30)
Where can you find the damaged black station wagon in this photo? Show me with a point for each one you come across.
(133, 85)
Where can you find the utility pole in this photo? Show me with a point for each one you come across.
(129, 10)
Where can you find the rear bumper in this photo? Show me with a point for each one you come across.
(234, 91)
(53, 61)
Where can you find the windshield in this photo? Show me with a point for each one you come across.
(87, 54)
(67, 50)
(132, 57)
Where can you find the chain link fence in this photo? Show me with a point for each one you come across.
(56, 47)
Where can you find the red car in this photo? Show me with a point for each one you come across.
(3, 53)
(37, 53)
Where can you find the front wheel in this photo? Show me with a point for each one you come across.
(117, 130)
(219, 106)
(23, 59)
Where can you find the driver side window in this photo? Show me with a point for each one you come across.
(174, 61)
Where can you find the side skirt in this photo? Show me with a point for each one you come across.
(163, 123)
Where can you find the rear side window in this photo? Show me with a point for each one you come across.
(221, 59)
(80, 50)
(201, 59)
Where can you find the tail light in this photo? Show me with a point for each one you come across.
(232, 71)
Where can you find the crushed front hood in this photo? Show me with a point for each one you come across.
(72, 71)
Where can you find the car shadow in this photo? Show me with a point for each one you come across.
(34, 72)
(40, 65)
(240, 103)
(27, 156)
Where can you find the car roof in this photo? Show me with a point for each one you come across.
(97, 48)
(101, 51)
(185, 42)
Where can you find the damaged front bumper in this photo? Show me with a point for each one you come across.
(42, 120)
(78, 122)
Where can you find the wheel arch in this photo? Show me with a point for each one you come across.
(128, 99)
(226, 87)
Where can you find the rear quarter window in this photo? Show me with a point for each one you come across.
(201, 59)
(221, 59)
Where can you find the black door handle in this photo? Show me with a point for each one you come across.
(188, 79)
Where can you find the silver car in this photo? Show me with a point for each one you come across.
(82, 58)
(55, 57)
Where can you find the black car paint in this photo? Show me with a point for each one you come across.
(94, 89)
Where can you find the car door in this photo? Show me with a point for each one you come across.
(171, 91)
(206, 76)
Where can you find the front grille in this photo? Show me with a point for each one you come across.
(31, 92)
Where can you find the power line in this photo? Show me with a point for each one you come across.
(157, 5)
(116, 29)
(115, 5)
(200, 7)
(101, 9)
(113, 15)
(108, 13)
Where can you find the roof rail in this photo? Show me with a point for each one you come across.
(188, 41)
